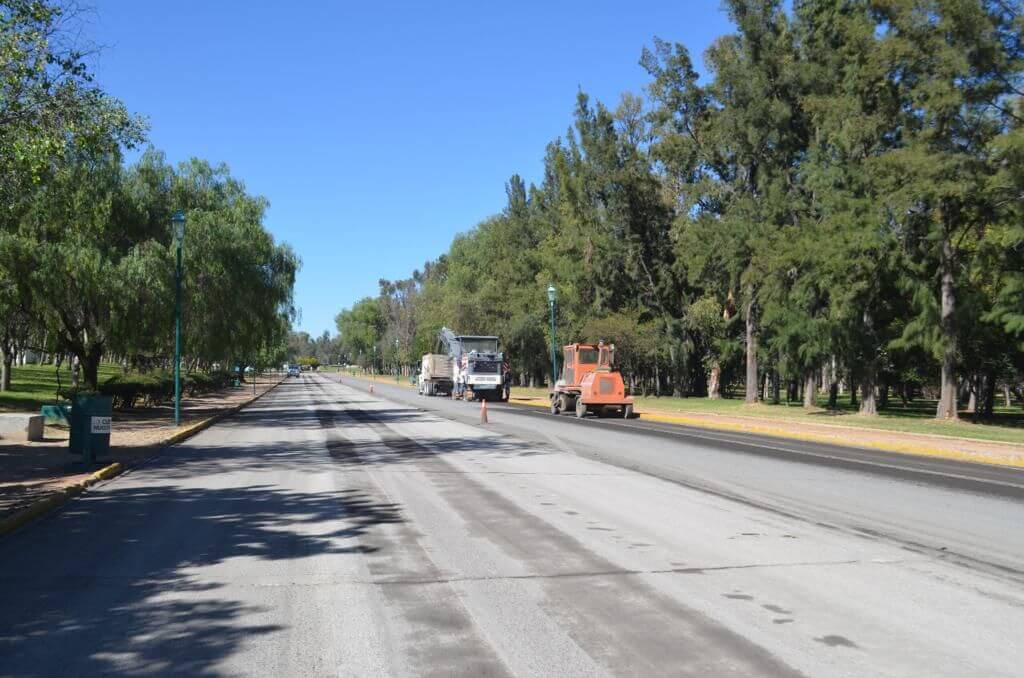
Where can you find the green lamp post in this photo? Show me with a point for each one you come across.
(178, 228)
(554, 349)
(398, 363)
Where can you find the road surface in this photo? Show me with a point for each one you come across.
(327, 531)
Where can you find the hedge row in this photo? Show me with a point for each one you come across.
(155, 388)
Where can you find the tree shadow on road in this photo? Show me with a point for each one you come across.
(107, 585)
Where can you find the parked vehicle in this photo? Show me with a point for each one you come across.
(435, 376)
(293, 371)
(478, 366)
(590, 383)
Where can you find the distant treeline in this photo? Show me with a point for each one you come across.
(838, 203)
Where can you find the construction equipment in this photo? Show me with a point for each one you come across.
(590, 383)
(436, 376)
(478, 367)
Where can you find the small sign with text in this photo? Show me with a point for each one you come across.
(100, 425)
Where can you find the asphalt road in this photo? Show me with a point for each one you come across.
(325, 531)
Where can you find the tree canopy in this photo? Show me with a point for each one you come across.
(87, 258)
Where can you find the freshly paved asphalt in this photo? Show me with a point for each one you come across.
(325, 531)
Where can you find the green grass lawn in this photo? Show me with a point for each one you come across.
(35, 385)
(1007, 425)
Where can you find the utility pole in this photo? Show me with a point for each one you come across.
(178, 223)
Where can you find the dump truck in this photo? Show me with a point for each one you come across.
(590, 383)
(478, 366)
(435, 376)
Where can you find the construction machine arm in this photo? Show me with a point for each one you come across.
(449, 341)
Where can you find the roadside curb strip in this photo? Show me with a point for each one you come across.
(58, 498)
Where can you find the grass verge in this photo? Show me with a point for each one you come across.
(33, 386)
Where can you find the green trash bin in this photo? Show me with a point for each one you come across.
(90, 426)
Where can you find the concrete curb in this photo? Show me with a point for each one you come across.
(765, 429)
(27, 514)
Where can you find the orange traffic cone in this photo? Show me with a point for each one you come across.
(483, 411)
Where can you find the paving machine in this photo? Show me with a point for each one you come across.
(590, 383)
(478, 366)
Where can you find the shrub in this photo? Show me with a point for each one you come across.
(153, 388)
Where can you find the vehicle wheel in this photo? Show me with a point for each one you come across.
(555, 409)
(581, 409)
(564, 404)
(627, 412)
(602, 412)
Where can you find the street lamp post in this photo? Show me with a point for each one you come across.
(554, 349)
(398, 364)
(178, 227)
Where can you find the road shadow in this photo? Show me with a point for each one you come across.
(106, 586)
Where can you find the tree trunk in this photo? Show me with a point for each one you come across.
(776, 387)
(947, 407)
(715, 382)
(751, 385)
(675, 382)
(1006, 396)
(5, 370)
(883, 395)
(91, 367)
(868, 406)
(972, 393)
(988, 395)
(833, 386)
(867, 386)
(810, 386)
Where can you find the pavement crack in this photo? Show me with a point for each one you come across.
(623, 572)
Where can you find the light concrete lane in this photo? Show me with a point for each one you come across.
(819, 600)
(233, 554)
(980, 528)
(547, 604)
(327, 532)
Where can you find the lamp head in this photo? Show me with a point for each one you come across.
(551, 294)
(178, 226)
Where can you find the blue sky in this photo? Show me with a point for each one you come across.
(377, 130)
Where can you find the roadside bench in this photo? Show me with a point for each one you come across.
(56, 414)
(21, 426)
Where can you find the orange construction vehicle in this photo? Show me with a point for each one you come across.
(590, 383)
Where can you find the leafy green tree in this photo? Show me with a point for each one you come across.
(955, 64)
(361, 331)
(730, 149)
